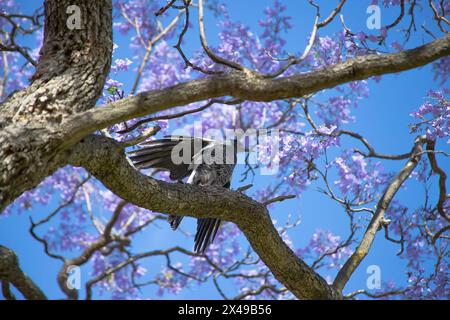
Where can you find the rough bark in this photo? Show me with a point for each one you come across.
(104, 158)
(69, 79)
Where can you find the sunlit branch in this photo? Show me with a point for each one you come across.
(377, 220)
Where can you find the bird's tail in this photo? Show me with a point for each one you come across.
(206, 232)
(174, 221)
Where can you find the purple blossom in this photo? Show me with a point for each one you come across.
(359, 177)
(434, 116)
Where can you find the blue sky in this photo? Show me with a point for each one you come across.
(382, 118)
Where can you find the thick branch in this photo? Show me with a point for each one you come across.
(105, 159)
(249, 86)
(10, 272)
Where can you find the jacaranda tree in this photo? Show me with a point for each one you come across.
(67, 122)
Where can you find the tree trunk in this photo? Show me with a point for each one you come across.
(69, 78)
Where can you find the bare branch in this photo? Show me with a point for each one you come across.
(372, 153)
(293, 60)
(129, 261)
(164, 9)
(375, 295)
(6, 291)
(401, 241)
(205, 46)
(178, 115)
(149, 46)
(400, 17)
(371, 150)
(376, 222)
(16, 28)
(279, 199)
(144, 136)
(106, 238)
(188, 63)
(34, 225)
(332, 15)
(259, 291)
(10, 272)
(317, 25)
(244, 188)
(438, 17)
(442, 179)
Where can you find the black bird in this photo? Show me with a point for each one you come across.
(206, 163)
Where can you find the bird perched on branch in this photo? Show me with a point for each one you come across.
(206, 163)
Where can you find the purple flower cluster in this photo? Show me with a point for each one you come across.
(327, 245)
(358, 177)
(434, 116)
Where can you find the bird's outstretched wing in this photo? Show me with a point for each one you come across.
(158, 154)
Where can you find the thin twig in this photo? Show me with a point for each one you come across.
(279, 199)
